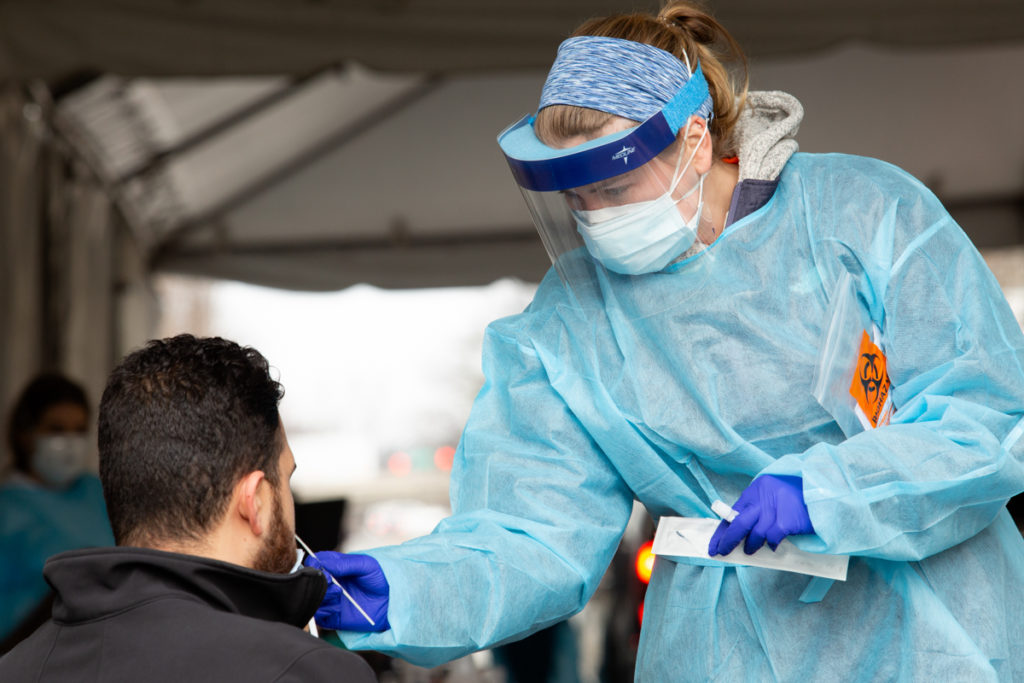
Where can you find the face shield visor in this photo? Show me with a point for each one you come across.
(623, 205)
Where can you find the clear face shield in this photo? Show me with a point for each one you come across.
(620, 207)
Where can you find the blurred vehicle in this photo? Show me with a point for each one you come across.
(623, 588)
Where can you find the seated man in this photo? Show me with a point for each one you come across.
(195, 468)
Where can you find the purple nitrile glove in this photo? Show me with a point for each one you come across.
(364, 580)
(770, 509)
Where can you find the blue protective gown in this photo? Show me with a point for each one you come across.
(681, 389)
(35, 523)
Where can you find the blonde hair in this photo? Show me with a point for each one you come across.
(682, 29)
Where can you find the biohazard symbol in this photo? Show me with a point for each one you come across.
(870, 376)
(870, 385)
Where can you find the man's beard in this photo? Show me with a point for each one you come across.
(277, 554)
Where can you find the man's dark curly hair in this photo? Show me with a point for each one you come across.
(181, 421)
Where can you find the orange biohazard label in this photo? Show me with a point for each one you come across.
(870, 385)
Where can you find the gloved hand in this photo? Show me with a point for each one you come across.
(770, 509)
(364, 580)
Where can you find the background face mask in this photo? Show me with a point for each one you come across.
(642, 237)
(59, 459)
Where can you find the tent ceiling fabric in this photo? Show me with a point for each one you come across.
(346, 178)
(318, 144)
(395, 179)
(51, 40)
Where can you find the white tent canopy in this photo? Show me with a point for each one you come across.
(343, 178)
(321, 144)
(234, 37)
(355, 176)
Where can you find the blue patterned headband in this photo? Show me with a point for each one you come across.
(621, 77)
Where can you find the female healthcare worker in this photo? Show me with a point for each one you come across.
(49, 503)
(810, 336)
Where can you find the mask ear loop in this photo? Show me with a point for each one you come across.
(677, 176)
(689, 70)
(700, 196)
(699, 187)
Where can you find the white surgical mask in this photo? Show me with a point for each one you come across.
(642, 237)
(59, 459)
(300, 555)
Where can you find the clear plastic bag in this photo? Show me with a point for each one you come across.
(850, 379)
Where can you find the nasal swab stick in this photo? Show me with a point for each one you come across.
(343, 591)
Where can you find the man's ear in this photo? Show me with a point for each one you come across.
(695, 137)
(250, 500)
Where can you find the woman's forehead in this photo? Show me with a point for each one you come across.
(614, 125)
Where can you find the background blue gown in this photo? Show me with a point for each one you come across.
(35, 523)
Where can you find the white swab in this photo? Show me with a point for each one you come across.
(343, 591)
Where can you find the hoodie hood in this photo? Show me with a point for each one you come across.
(765, 137)
(766, 134)
(96, 583)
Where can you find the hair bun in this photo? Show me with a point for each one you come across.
(683, 17)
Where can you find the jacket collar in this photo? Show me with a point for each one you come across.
(95, 583)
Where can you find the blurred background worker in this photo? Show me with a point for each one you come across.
(49, 500)
(699, 338)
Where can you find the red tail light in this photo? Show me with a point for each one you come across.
(645, 562)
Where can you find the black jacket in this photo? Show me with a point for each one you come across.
(132, 614)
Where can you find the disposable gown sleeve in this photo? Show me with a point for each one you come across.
(952, 455)
(538, 512)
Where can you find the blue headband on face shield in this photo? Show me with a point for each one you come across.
(621, 77)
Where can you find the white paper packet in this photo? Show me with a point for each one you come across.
(689, 537)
